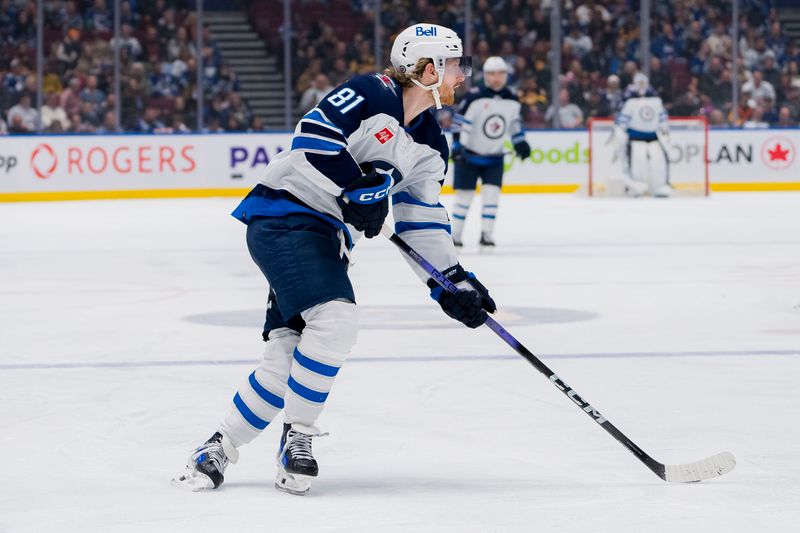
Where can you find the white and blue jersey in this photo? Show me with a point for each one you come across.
(642, 118)
(361, 122)
(484, 121)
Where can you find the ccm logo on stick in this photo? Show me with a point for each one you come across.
(577, 399)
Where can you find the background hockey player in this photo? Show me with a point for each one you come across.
(371, 138)
(486, 118)
(642, 134)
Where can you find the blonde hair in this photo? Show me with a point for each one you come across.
(404, 78)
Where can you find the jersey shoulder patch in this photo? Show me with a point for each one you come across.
(373, 83)
(387, 82)
(382, 94)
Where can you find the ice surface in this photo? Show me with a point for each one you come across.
(126, 326)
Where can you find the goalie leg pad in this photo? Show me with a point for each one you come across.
(658, 170)
(639, 161)
(635, 178)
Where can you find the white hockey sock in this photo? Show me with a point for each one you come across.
(329, 335)
(490, 196)
(459, 211)
(260, 399)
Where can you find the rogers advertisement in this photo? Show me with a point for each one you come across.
(31, 164)
(135, 162)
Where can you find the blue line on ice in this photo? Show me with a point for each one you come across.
(405, 359)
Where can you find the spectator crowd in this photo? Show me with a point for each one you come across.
(158, 70)
(691, 61)
(691, 54)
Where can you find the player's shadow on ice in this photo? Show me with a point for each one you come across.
(349, 486)
(406, 317)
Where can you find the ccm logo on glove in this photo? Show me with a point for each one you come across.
(369, 197)
(365, 202)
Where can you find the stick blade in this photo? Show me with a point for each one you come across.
(711, 467)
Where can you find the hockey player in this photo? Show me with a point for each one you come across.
(642, 133)
(485, 119)
(372, 138)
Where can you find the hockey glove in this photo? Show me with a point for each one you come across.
(365, 202)
(523, 149)
(457, 152)
(469, 305)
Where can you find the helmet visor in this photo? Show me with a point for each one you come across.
(459, 66)
(465, 64)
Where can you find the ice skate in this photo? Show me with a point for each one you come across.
(296, 463)
(635, 189)
(206, 466)
(664, 191)
(487, 243)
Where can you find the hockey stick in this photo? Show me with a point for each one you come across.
(663, 142)
(711, 467)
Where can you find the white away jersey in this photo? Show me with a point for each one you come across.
(642, 117)
(359, 122)
(485, 119)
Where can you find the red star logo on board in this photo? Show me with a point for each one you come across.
(778, 154)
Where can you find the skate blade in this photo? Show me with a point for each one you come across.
(295, 484)
(193, 480)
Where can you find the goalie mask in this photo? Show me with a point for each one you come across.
(641, 83)
(430, 41)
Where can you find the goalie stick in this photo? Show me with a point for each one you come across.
(711, 467)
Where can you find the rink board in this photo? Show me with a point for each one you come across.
(72, 167)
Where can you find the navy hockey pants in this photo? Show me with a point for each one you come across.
(300, 255)
(466, 174)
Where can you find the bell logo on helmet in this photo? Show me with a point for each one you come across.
(422, 32)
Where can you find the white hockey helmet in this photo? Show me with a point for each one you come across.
(494, 64)
(428, 41)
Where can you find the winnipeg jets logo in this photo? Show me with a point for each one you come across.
(384, 136)
(647, 113)
(494, 127)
